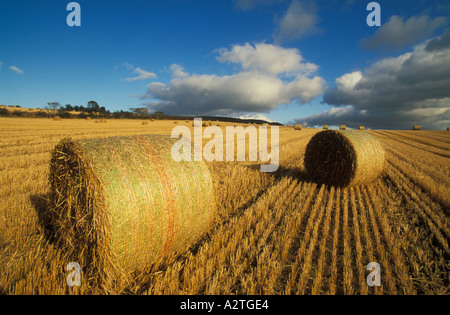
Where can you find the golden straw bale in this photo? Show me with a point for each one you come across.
(417, 127)
(344, 158)
(121, 203)
(298, 127)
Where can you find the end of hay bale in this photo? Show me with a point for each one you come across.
(417, 127)
(344, 158)
(298, 127)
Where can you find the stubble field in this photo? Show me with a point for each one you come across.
(274, 233)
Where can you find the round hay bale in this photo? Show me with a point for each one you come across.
(342, 127)
(361, 128)
(417, 127)
(344, 158)
(325, 127)
(448, 129)
(145, 123)
(57, 118)
(298, 127)
(121, 203)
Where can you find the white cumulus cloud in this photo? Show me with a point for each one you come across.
(269, 76)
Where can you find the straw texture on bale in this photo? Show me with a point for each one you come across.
(344, 158)
(121, 203)
(298, 127)
(417, 127)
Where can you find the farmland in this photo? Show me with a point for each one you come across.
(274, 233)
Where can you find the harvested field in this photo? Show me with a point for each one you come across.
(274, 233)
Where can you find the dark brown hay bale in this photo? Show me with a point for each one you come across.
(417, 127)
(298, 127)
(344, 158)
(121, 203)
(342, 127)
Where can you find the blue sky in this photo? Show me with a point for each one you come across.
(308, 61)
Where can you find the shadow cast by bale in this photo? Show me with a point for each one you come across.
(41, 204)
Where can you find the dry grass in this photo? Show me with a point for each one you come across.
(274, 233)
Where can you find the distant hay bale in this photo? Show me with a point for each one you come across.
(344, 158)
(342, 127)
(448, 129)
(325, 127)
(145, 123)
(175, 122)
(298, 127)
(417, 127)
(88, 118)
(361, 128)
(57, 118)
(101, 121)
(120, 203)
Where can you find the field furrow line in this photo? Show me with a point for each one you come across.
(318, 282)
(332, 287)
(379, 221)
(295, 268)
(360, 266)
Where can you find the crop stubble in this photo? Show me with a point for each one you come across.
(275, 233)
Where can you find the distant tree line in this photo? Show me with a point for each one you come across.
(93, 110)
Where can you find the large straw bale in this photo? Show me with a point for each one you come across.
(121, 203)
(417, 127)
(298, 127)
(344, 158)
